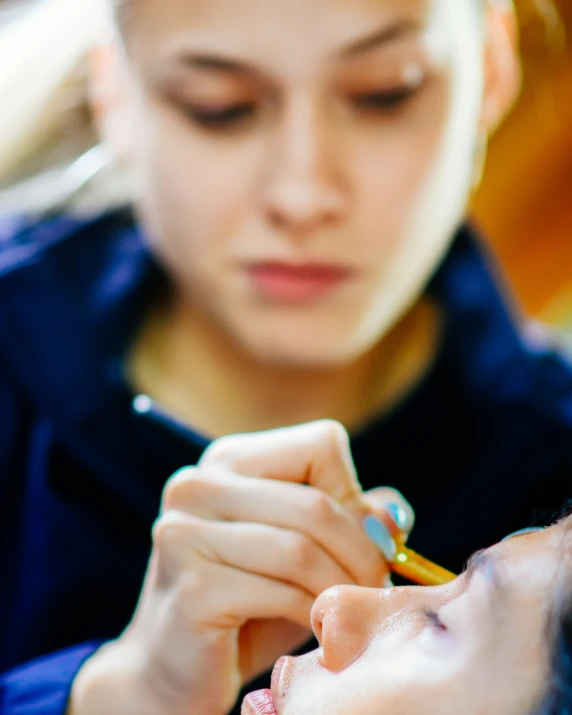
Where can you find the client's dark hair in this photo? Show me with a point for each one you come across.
(558, 698)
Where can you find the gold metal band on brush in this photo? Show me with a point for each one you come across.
(419, 570)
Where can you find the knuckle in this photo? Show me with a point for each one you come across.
(172, 531)
(300, 554)
(174, 554)
(320, 507)
(172, 488)
(165, 530)
(333, 433)
(334, 439)
(222, 450)
(188, 487)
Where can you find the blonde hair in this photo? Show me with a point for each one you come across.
(50, 155)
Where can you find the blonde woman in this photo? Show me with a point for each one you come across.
(269, 232)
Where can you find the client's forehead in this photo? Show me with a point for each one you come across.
(531, 562)
(565, 523)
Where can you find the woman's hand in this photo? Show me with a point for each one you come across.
(244, 543)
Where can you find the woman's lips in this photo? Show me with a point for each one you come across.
(259, 702)
(296, 283)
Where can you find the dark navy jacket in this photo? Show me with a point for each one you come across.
(481, 447)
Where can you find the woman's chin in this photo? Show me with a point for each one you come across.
(299, 351)
(300, 340)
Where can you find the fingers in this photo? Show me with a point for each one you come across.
(317, 454)
(307, 513)
(305, 486)
(207, 591)
(279, 554)
(237, 597)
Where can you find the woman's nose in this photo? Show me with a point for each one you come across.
(304, 188)
(344, 618)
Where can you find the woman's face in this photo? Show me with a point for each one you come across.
(303, 163)
(476, 646)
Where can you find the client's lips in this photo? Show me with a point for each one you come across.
(260, 702)
(263, 702)
(278, 671)
(296, 283)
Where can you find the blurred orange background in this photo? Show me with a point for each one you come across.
(525, 204)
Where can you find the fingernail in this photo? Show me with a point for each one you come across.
(379, 534)
(399, 515)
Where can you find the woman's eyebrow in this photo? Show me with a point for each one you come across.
(223, 63)
(383, 36)
(214, 63)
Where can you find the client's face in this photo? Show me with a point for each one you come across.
(476, 646)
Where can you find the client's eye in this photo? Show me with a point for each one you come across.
(433, 619)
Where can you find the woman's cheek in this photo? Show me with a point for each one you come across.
(395, 179)
(187, 214)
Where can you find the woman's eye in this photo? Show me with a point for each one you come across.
(381, 101)
(222, 117)
(433, 619)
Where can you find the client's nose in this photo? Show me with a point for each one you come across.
(343, 618)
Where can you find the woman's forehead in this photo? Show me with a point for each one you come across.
(278, 5)
(248, 16)
(276, 31)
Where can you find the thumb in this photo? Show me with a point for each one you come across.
(392, 508)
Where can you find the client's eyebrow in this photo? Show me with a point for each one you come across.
(487, 563)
